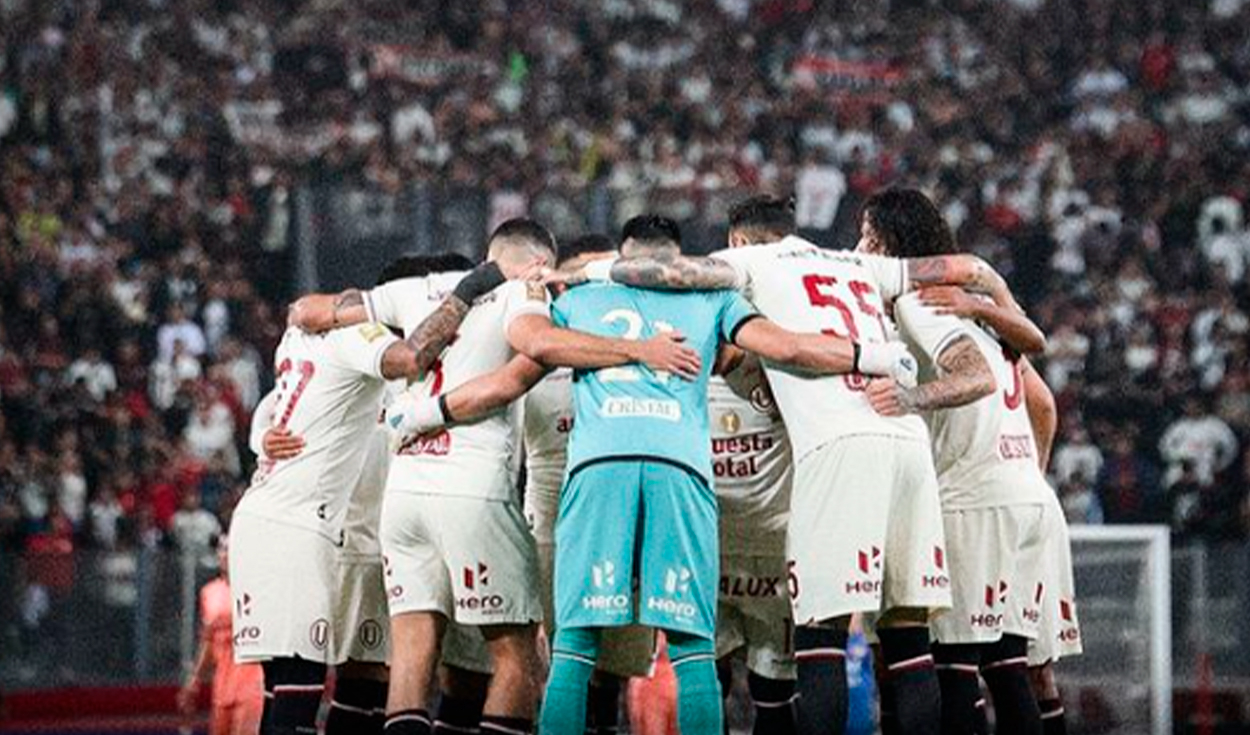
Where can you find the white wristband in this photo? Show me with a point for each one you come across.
(411, 416)
(599, 270)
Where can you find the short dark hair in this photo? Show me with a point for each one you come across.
(592, 243)
(908, 223)
(525, 230)
(766, 215)
(417, 266)
(652, 229)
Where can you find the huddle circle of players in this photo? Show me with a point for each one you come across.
(742, 450)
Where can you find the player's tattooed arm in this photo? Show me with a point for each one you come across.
(1043, 413)
(967, 271)
(965, 376)
(321, 312)
(1012, 325)
(412, 357)
(681, 273)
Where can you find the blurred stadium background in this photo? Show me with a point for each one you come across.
(173, 171)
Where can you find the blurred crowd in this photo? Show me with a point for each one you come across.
(1096, 151)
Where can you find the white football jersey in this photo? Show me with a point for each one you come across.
(548, 411)
(984, 452)
(479, 459)
(751, 461)
(364, 511)
(805, 288)
(329, 388)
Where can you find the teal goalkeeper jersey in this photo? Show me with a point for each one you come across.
(632, 411)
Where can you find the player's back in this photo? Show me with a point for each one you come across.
(478, 459)
(805, 288)
(984, 452)
(632, 411)
(329, 391)
(548, 420)
(752, 460)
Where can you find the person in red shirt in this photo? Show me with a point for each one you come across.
(238, 689)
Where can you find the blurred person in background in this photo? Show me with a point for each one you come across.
(237, 689)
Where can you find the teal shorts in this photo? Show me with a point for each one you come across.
(643, 521)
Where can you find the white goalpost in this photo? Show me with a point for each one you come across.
(1124, 600)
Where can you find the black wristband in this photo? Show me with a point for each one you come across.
(443, 409)
(481, 280)
(856, 351)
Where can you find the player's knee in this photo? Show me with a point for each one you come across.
(362, 670)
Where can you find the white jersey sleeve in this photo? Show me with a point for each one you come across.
(930, 331)
(524, 299)
(405, 302)
(740, 259)
(891, 275)
(360, 348)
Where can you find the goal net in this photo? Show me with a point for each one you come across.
(1123, 682)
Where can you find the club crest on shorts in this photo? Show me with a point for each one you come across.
(319, 634)
(370, 634)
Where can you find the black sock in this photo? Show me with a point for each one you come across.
(499, 725)
(910, 674)
(957, 672)
(358, 706)
(457, 715)
(885, 695)
(297, 686)
(725, 676)
(408, 722)
(1004, 665)
(266, 711)
(603, 706)
(981, 725)
(821, 654)
(1053, 720)
(774, 705)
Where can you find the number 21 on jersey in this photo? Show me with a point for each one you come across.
(633, 323)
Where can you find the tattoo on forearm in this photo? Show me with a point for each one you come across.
(678, 274)
(433, 334)
(348, 299)
(965, 377)
(929, 270)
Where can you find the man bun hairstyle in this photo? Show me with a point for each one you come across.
(908, 223)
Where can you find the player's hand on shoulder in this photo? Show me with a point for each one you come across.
(279, 443)
(891, 360)
(951, 300)
(886, 397)
(665, 352)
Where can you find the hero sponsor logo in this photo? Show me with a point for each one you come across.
(1033, 612)
(938, 580)
(867, 561)
(995, 596)
(244, 634)
(393, 591)
(475, 579)
(603, 577)
(676, 585)
(1067, 612)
